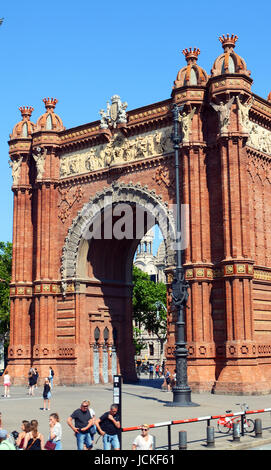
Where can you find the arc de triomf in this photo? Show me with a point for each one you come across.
(71, 294)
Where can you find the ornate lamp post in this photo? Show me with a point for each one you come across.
(181, 391)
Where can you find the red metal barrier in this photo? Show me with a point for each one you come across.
(193, 420)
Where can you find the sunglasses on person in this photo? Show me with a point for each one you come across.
(144, 429)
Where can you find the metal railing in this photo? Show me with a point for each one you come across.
(208, 419)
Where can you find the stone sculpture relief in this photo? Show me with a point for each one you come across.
(259, 138)
(39, 156)
(223, 110)
(15, 166)
(243, 113)
(186, 121)
(118, 151)
(115, 113)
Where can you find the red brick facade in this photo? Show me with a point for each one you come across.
(71, 298)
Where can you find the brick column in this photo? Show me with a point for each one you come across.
(240, 372)
(46, 275)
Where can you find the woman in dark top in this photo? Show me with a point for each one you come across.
(46, 394)
(34, 440)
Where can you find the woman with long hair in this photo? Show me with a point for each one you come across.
(25, 428)
(34, 440)
(55, 430)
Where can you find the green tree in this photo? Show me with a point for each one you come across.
(5, 277)
(149, 304)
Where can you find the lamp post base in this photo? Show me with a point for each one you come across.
(181, 397)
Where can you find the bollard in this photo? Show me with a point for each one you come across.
(258, 428)
(236, 432)
(154, 442)
(210, 436)
(182, 440)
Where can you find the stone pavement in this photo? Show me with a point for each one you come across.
(143, 402)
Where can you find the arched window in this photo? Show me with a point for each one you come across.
(106, 334)
(97, 334)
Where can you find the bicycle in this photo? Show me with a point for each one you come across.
(225, 423)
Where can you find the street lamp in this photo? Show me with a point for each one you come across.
(181, 390)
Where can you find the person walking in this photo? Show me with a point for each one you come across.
(31, 381)
(108, 426)
(51, 376)
(55, 430)
(143, 441)
(36, 376)
(34, 440)
(168, 379)
(25, 428)
(46, 394)
(82, 424)
(7, 383)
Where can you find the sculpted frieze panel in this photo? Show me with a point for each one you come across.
(259, 138)
(120, 150)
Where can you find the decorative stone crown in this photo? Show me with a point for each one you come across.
(228, 41)
(50, 103)
(191, 55)
(26, 111)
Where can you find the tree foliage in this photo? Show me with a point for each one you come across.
(148, 298)
(5, 277)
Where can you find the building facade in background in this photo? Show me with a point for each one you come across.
(154, 266)
(71, 286)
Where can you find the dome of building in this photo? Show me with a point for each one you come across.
(192, 73)
(25, 127)
(49, 121)
(229, 61)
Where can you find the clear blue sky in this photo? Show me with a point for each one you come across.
(83, 52)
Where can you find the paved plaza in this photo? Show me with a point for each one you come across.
(143, 402)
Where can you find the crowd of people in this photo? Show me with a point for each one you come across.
(158, 371)
(84, 424)
(82, 421)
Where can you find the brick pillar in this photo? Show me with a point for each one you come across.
(19, 353)
(240, 373)
(199, 272)
(46, 275)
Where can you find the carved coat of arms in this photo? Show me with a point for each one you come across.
(115, 113)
